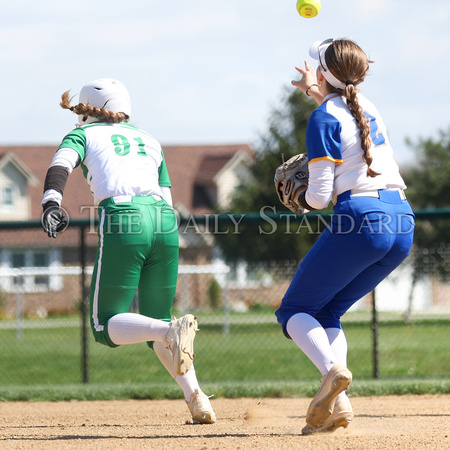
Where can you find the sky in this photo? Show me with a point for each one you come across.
(210, 71)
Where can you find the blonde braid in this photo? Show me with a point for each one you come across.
(364, 128)
(102, 114)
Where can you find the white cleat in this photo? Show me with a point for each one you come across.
(200, 408)
(338, 379)
(341, 417)
(180, 339)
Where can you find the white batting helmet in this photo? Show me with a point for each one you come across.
(105, 93)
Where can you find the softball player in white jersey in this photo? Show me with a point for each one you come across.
(351, 163)
(138, 235)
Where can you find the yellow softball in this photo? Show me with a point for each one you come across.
(308, 8)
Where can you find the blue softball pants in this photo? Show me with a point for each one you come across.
(367, 238)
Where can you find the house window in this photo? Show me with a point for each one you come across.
(37, 270)
(201, 197)
(17, 262)
(41, 260)
(8, 196)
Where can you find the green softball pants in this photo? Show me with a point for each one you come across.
(138, 249)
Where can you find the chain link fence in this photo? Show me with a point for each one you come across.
(400, 330)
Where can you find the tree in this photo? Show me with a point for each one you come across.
(428, 188)
(285, 138)
(429, 179)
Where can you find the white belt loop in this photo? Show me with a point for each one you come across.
(402, 194)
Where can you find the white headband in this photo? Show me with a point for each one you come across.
(317, 52)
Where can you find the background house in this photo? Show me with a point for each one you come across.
(204, 176)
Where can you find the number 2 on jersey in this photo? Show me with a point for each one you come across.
(375, 133)
(122, 145)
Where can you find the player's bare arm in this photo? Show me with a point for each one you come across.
(308, 83)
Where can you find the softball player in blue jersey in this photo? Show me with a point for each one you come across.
(350, 163)
(138, 235)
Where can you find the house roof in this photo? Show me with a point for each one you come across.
(194, 166)
(188, 165)
(37, 159)
(209, 167)
(11, 158)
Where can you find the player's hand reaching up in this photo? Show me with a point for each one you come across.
(308, 77)
(308, 83)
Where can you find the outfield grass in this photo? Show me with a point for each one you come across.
(251, 359)
(254, 389)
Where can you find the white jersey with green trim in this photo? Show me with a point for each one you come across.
(118, 159)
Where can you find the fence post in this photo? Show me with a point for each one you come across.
(226, 310)
(84, 309)
(20, 306)
(184, 293)
(376, 372)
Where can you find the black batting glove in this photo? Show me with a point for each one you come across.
(53, 219)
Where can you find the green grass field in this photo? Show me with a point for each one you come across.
(254, 359)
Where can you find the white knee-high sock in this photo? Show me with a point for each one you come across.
(338, 342)
(311, 338)
(130, 328)
(187, 382)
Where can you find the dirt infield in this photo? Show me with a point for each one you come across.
(405, 422)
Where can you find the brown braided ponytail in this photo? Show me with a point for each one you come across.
(348, 62)
(102, 114)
